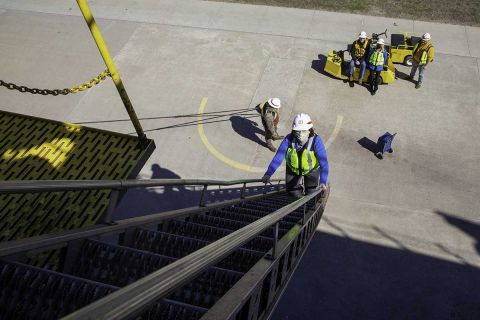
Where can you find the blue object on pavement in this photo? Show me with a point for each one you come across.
(384, 143)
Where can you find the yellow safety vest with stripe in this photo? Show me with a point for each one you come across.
(424, 56)
(377, 58)
(304, 161)
(360, 48)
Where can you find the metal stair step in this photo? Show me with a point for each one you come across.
(259, 213)
(179, 246)
(226, 214)
(202, 232)
(221, 222)
(173, 310)
(119, 266)
(28, 292)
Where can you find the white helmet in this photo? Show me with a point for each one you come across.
(275, 103)
(380, 41)
(302, 122)
(362, 35)
(426, 36)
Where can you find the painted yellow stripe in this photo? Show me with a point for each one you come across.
(335, 132)
(239, 165)
(211, 148)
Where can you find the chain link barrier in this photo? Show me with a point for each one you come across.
(55, 92)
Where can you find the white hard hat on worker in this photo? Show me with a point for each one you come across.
(275, 103)
(301, 122)
(362, 35)
(426, 37)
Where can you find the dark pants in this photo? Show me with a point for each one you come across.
(374, 79)
(294, 183)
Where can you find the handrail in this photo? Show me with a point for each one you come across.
(131, 299)
(50, 240)
(7, 187)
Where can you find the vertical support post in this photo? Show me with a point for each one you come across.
(102, 47)
(273, 256)
(202, 198)
(242, 194)
(304, 213)
(278, 186)
(112, 204)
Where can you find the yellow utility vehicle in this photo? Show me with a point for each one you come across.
(336, 65)
(401, 47)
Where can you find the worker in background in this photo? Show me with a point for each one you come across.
(359, 51)
(269, 110)
(377, 58)
(305, 156)
(423, 53)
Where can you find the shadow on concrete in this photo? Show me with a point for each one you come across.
(369, 145)
(343, 278)
(248, 129)
(403, 76)
(144, 201)
(470, 228)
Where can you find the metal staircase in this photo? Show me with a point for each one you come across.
(226, 260)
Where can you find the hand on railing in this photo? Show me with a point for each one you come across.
(266, 179)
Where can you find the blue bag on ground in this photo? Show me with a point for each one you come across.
(384, 143)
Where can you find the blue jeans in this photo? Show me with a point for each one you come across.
(362, 68)
(421, 69)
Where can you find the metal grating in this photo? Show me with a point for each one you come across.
(39, 149)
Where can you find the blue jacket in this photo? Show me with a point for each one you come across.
(377, 68)
(318, 149)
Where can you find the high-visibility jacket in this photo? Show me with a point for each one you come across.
(359, 49)
(304, 161)
(377, 58)
(423, 52)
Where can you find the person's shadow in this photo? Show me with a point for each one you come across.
(247, 129)
(163, 173)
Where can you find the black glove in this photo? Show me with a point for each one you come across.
(266, 179)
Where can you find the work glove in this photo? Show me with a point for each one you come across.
(323, 187)
(357, 62)
(266, 179)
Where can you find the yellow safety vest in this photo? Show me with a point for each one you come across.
(377, 59)
(304, 163)
(424, 56)
(360, 49)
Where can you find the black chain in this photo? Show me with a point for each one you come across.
(45, 92)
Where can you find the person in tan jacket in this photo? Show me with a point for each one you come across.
(423, 53)
(269, 110)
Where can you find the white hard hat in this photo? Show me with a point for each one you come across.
(426, 36)
(275, 103)
(302, 122)
(380, 41)
(362, 35)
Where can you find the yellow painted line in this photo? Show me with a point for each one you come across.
(215, 152)
(238, 165)
(335, 132)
